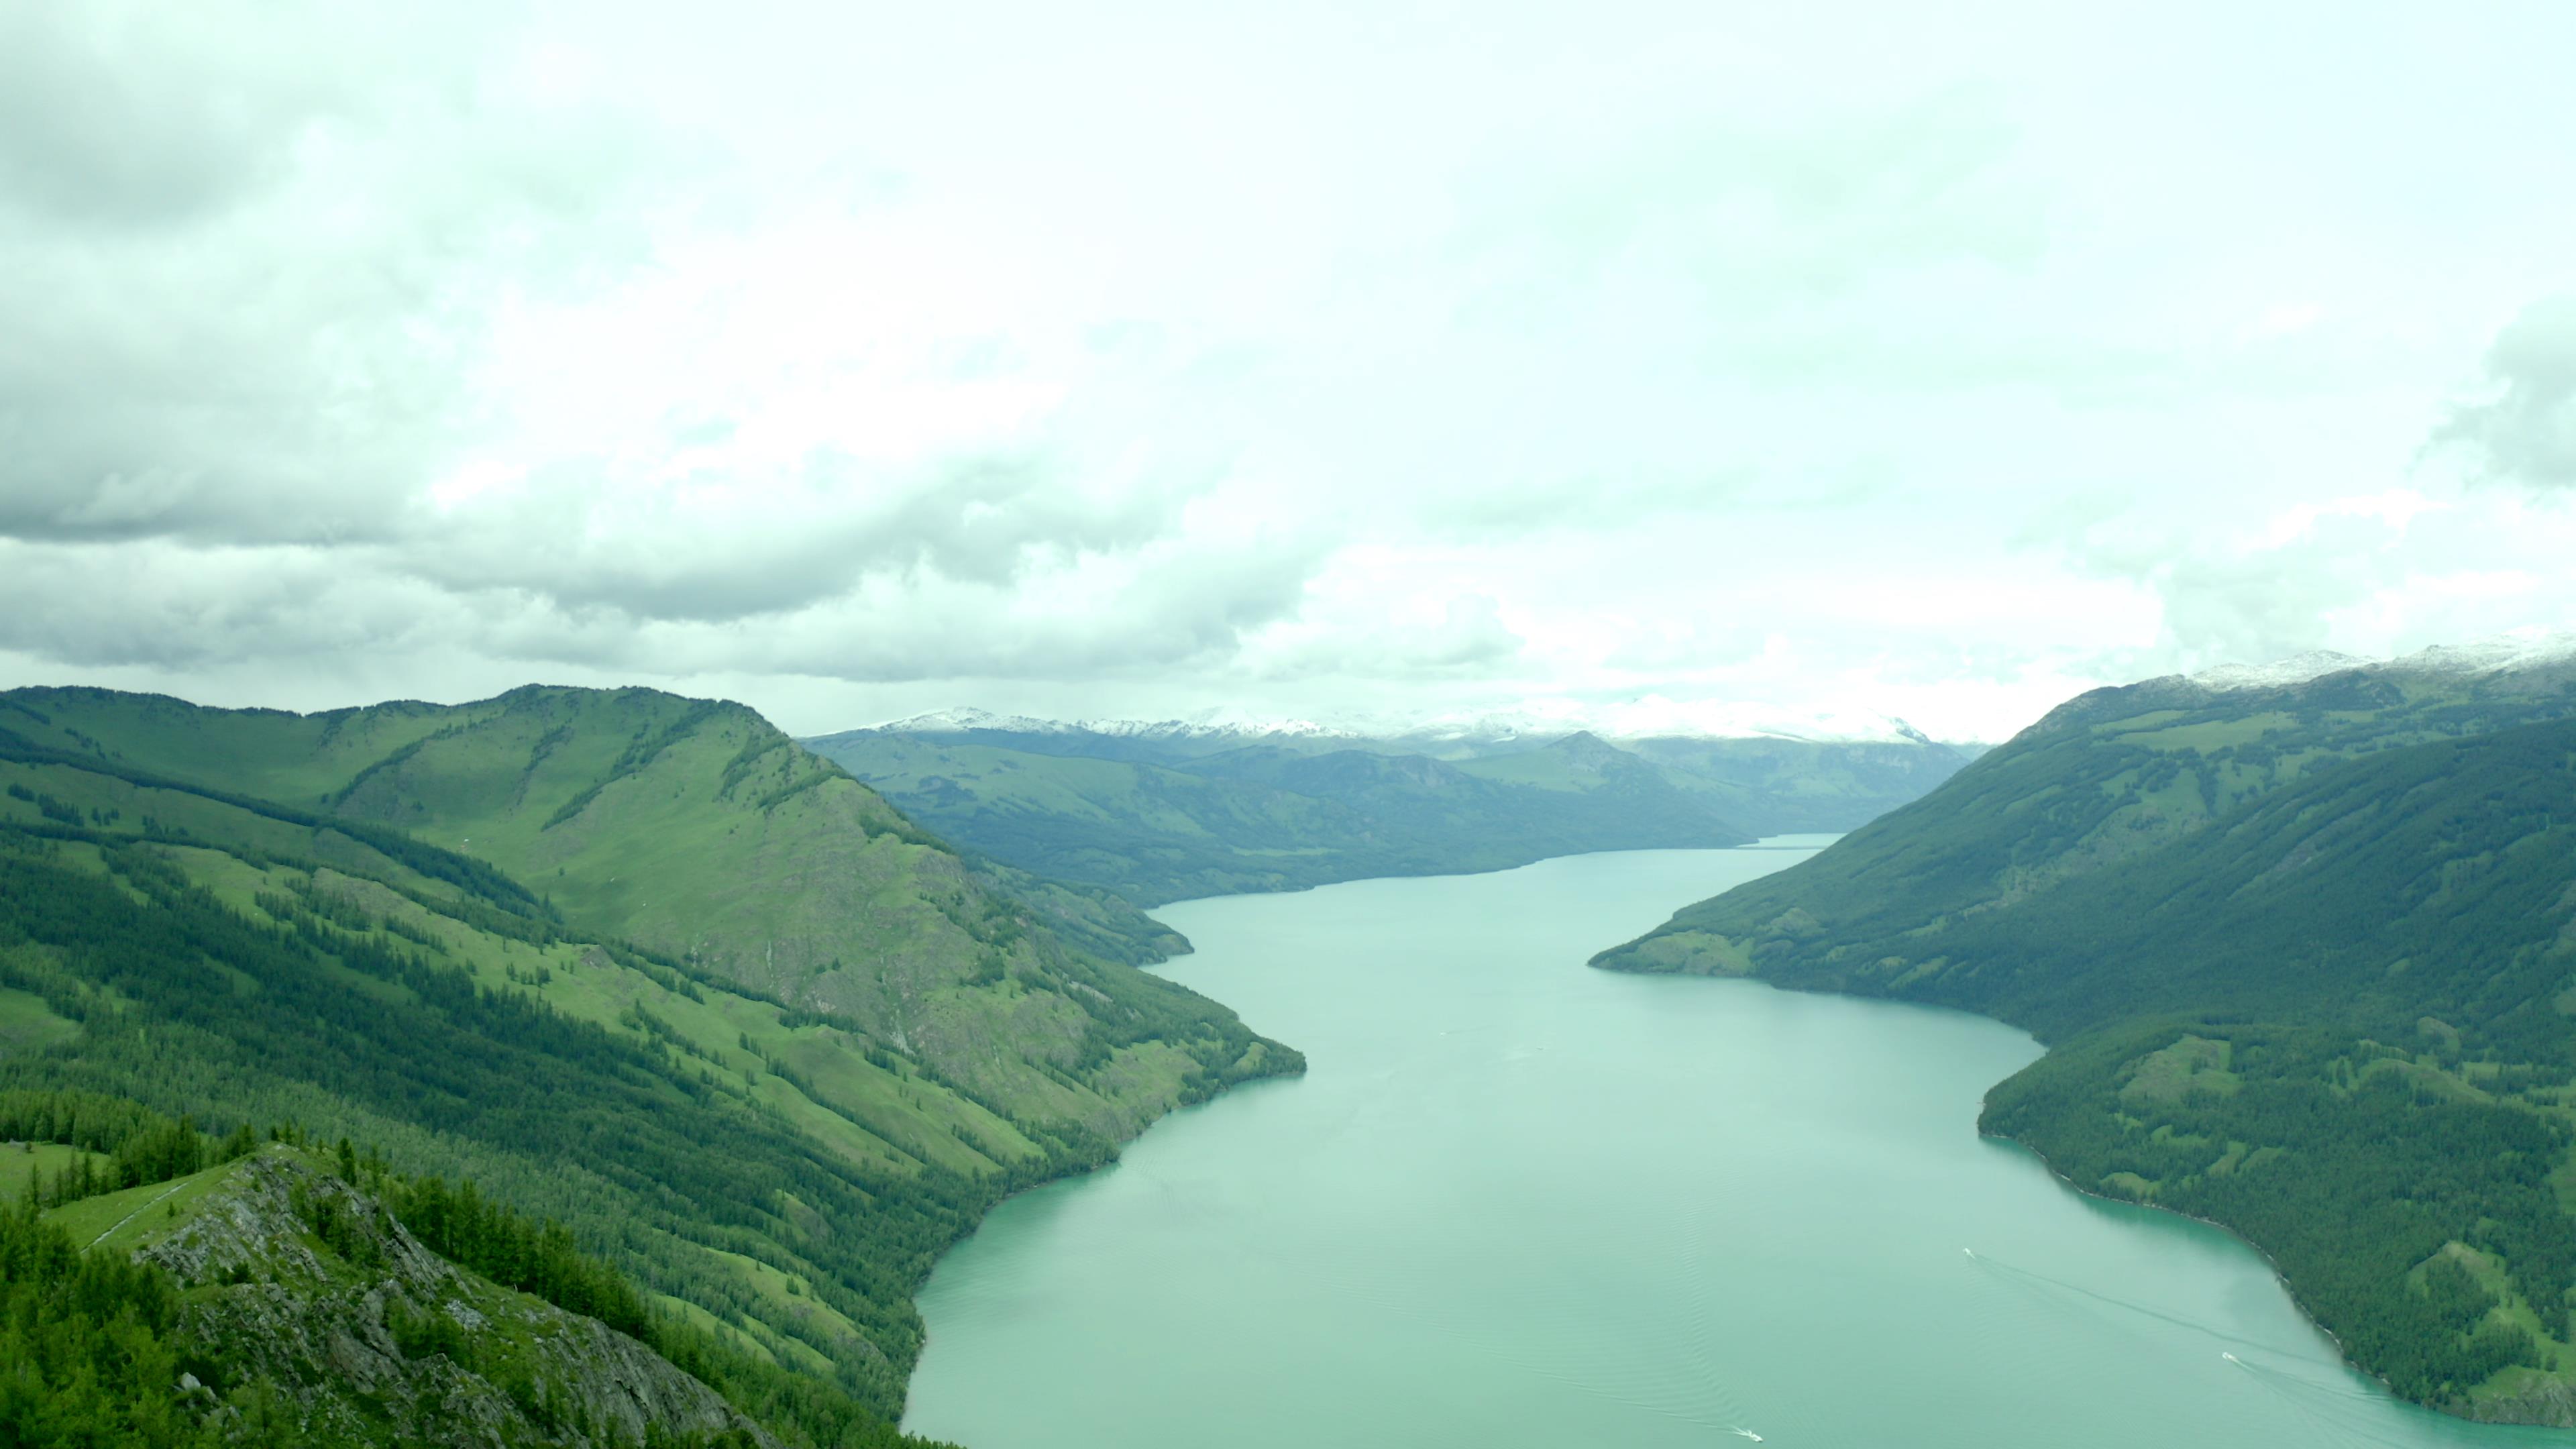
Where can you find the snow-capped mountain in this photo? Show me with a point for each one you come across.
(1226, 721)
(1648, 717)
(2507, 653)
(2280, 673)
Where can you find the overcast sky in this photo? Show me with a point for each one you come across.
(1131, 359)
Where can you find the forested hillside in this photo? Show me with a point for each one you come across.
(2105, 777)
(774, 1149)
(1264, 817)
(253, 1291)
(2307, 961)
(694, 829)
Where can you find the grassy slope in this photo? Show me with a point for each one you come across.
(259, 1289)
(869, 1105)
(1276, 818)
(875, 1118)
(2305, 958)
(2106, 777)
(697, 829)
(1783, 787)
(1151, 833)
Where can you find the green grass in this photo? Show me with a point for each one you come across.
(2191, 1064)
(27, 1024)
(136, 1217)
(38, 1159)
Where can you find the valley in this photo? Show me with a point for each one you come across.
(1176, 810)
(759, 1050)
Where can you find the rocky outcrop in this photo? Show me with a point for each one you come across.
(308, 1282)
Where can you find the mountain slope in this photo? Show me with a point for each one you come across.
(1108, 803)
(763, 1163)
(1796, 787)
(2306, 956)
(165, 1288)
(1278, 816)
(304, 1287)
(2105, 777)
(695, 829)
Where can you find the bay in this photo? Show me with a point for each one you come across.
(1518, 1202)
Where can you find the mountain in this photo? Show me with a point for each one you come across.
(633, 963)
(2107, 775)
(1262, 817)
(1170, 810)
(271, 1300)
(2301, 942)
(693, 828)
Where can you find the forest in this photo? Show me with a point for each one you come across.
(90, 1343)
(621, 1164)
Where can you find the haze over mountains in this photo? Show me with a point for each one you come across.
(1164, 810)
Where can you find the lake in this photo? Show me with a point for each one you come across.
(1518, 1202)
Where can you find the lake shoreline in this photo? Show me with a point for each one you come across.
(1492, 1200)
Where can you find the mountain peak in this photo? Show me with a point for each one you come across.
(2507, 653)
(1646, 717)
(2297, 669)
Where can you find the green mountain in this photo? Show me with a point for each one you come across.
(1164, 812)
(1281, 816)
(1800, 787)
(695, 829)
(267, 1299)
(632, 963)
(2306, 960)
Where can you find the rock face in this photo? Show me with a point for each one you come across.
(378, 1339)
(2550, 1402)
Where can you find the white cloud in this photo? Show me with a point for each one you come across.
(1157, 356)
(2524, 431)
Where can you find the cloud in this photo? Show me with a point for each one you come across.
(2525, 431)
(248, 257)
(810, 349)
(1784, 205)
(724, 544)
(182, 608)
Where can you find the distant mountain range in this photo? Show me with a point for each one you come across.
(2302, 939)
(1649, 717)
(1226, 803)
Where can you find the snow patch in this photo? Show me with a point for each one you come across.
(1647, 717)
(2280, 673)
(2507, 653)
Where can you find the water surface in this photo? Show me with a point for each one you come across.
(1517, 1202)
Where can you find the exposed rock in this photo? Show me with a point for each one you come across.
(380, 1339)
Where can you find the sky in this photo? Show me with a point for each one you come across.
(1131, 360)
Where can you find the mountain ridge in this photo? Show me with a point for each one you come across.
(1162, 813)
(775, 1159)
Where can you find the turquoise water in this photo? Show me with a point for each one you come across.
(1519, 1202)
